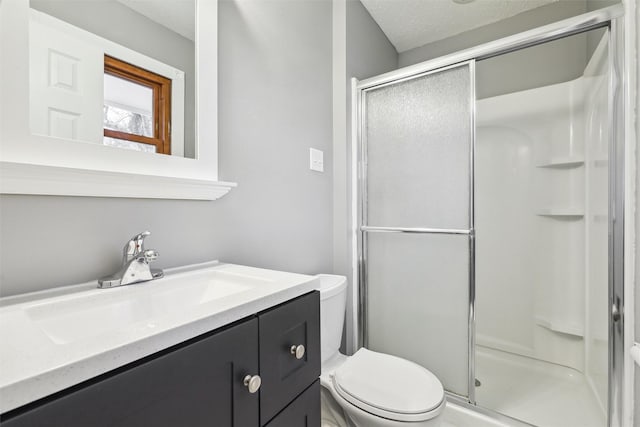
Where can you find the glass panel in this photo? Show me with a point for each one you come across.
(541, 225)
(418, 293)
(128, 106)
(129, 145)
(418, 139)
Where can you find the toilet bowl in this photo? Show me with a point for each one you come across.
(373, 389)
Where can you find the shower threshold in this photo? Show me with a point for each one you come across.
(537, 392)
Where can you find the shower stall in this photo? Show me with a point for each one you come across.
(489, 224)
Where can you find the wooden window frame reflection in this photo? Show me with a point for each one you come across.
(161, 87)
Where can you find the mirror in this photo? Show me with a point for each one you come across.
(114, 72)
(35, 163)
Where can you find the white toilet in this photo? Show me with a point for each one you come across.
(373, 389)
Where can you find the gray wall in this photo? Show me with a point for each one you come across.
(368, 53)
(592, 39)
(516, 24)
(275, 86)
(505, 74)
(116, 22)
(274, 103)
(550, 63)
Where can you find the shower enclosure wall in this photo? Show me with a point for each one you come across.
(541, 251)
(485, 241)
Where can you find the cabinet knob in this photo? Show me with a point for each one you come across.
(297, 351)
(252, 382)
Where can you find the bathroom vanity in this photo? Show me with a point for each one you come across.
(257, 364)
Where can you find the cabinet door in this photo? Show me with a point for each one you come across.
(283, 375)
(199, 384)
(302, 412)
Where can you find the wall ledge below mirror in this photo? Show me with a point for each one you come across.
(20, 178)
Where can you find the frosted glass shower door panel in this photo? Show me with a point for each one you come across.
(418, 302)
(417, 139)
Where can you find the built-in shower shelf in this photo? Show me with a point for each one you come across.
(563, 162)
(561, 212)
(560, 326)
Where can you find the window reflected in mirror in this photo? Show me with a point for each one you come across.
(137, 106)
(128, 106)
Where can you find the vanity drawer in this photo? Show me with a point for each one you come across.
(302, 412)
(284, 376)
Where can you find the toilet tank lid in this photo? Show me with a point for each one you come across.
(331, 284)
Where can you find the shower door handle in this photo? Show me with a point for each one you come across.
(615, 312)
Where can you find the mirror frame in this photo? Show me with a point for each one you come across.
(36, 164)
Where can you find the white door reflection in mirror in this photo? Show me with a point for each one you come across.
(65, 84)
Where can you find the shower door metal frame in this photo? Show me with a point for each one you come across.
(470, 231)
(609, 18)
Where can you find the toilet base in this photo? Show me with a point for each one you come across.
(332, 414)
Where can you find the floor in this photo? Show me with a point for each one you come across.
(537, 392)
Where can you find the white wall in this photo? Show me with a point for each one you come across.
(530, 267)
(274, 103)
(541, 284)
(596, 225)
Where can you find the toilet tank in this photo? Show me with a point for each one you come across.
(333, 299)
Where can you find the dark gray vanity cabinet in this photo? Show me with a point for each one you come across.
(201, 382)
(284, 376)
(302, 412)
(189, 386)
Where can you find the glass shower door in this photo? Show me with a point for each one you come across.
(417, 220)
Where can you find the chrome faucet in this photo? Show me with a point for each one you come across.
(135, 264)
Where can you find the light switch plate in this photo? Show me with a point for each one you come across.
(316, 160)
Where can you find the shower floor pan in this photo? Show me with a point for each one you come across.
(537, 392)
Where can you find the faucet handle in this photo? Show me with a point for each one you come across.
(151, 255)
(140, 236)
(134, 246)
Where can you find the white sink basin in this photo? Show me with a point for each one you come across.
(90, 314)
(55, 339)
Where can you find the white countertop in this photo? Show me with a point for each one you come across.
(54, 339)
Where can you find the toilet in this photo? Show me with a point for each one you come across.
(372, 389)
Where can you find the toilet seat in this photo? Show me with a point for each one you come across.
(389, 387)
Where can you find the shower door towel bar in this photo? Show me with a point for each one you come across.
(415, 230)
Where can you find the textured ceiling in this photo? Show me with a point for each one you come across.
(177, 15)
(413, 23)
